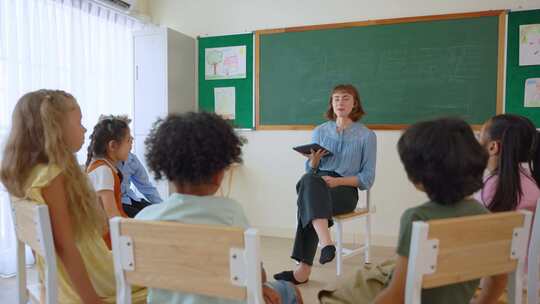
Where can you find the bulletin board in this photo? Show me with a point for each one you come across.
(225, 68)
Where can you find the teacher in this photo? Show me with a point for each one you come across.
(330, 185)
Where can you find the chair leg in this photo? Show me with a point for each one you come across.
(50, 284)
(515, 287)
(339, 241)
(22, 295)
(367, 248)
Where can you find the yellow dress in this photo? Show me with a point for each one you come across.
(96, 257)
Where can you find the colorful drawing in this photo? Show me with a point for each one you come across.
(529, 44)
(225, 63)
(532, 92)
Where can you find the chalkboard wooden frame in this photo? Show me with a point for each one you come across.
(500, 65)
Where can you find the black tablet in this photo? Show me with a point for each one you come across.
(306, 149)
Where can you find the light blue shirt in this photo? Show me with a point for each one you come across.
(209, 210)
(354, 151)
(133, 172)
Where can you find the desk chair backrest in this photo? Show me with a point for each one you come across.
(455, 250)
(33, 228)
(207, 260)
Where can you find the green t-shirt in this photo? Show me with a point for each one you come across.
(451, 294)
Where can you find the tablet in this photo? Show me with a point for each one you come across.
(306, 149)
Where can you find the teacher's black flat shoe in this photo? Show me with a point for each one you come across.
(328, 253)
(288, 276)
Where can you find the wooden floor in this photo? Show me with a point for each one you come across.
(275, 253)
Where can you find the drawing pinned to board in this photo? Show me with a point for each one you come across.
(532, 92)
(225, 63)
(529, 44)
(225, 102)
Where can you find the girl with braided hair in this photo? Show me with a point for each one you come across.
(110, 144)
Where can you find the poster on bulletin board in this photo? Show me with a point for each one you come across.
(225, 81)
(529, 44)
(523, 65)
(225, 63)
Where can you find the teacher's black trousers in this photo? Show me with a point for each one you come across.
(317, 201)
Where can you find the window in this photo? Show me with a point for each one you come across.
(72, 45)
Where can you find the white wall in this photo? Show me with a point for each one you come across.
(207, 17)
(265, 184)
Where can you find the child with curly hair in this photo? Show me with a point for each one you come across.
(192, 151)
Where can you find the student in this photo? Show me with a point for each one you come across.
(513, 179)
(443, 159)
(133, 172)
(193, 151)
(110, 143)
(39, 164)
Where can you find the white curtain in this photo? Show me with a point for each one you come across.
(76, 46)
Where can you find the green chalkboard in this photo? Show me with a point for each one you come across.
(243, 86)
(516, 74)
(405, 72)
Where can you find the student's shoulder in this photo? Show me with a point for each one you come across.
(432, 210)
(102, 169)
(415, 213)
(42, 175)
(155, 211)
(475, 207)
(98, 166)
(233, 208)
(227, 203)
(133, 160)
(425, 211)
(101, 173)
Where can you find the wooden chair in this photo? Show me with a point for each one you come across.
(33, 228)
(207, 260)
(340, 220)
(449, 251)
(533, 266)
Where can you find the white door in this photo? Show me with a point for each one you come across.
(150, 86)
(150, 91)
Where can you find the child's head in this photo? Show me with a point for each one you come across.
(46, 129)
(345, 102)
(443, 158)
(192, 149)
(111, 139)
(509, 137)
(510, 140)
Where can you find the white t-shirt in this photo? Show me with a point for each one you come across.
(102, 178)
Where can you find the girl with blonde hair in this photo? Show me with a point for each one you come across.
(39, 164)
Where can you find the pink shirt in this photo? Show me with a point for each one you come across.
(529, 188)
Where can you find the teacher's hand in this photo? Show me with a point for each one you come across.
(315, 157)
(332, 182)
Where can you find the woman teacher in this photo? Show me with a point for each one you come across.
(330, 185)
